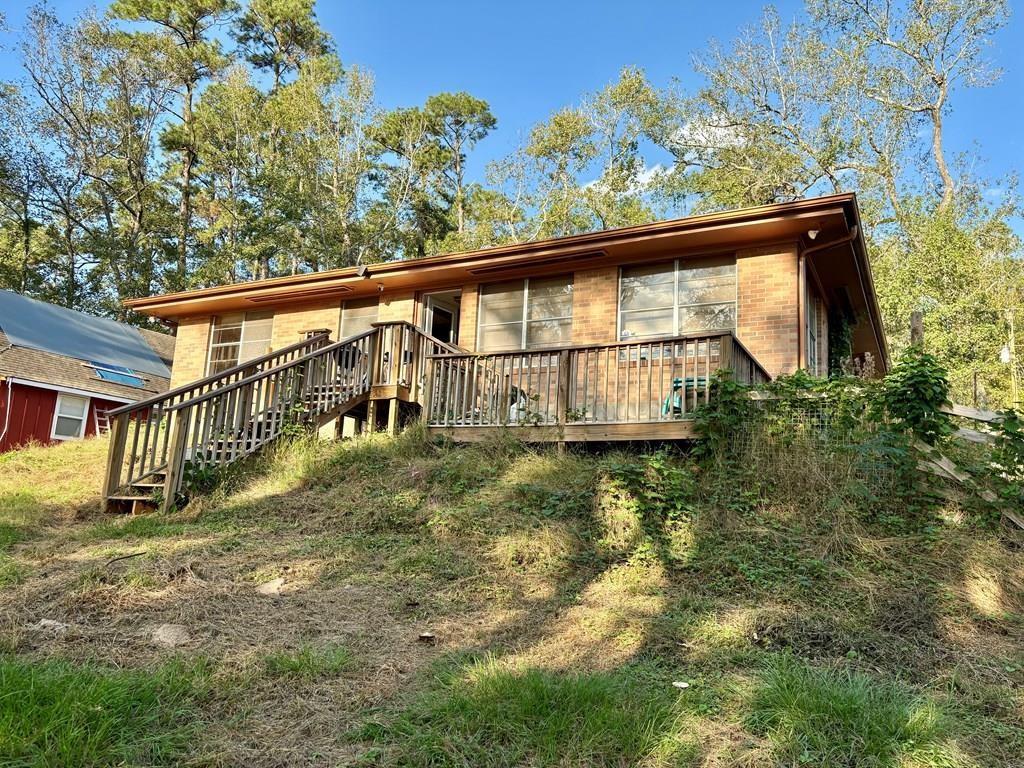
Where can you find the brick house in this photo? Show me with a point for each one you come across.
(602, 336)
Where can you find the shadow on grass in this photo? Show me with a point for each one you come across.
(599, 582)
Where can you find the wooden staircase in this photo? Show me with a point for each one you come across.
(165, 447)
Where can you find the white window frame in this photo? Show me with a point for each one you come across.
(675, 301)
(57, 414)
(241, 340)
(526, 310)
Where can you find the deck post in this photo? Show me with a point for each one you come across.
(393, 416)
(426, 396)
(175, 458)
(115, 457)
(563, 386)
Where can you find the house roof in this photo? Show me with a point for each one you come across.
(830, 218)
(54, 348)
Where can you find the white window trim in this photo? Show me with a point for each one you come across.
(675, 303)
(526, 310)
(56, 415)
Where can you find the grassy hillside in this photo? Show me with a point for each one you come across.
(577, 610)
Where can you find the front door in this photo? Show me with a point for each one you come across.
(441, 315)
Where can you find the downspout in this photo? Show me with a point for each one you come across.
(801, 312)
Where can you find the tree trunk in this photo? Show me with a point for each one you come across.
(185, 206)
(948, 185)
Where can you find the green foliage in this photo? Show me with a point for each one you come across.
(835, 717)
(913, 393)
(728, 410)
(1007, 459)
(56, 712)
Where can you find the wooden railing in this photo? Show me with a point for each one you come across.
(623, 383)
(231, 422)
(156, 444)
(402, 354)
(140, 437)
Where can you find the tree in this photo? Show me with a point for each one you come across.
(101, 96)
(192, 55)
(280, 35)
(458, 121)
(854, 98)
(581, 169)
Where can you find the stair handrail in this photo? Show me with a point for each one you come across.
(318, 341)
(321, 352)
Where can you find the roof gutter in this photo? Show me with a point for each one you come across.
(70, 390)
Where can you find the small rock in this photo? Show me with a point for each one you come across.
(681, 684)
(171, 635)
(50, 625)
(271, 587)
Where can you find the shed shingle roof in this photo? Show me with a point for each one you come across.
(71, 373)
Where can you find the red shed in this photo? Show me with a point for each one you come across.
(61, 371)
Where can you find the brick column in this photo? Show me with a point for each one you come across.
(767, 321)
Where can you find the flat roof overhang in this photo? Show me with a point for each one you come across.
(833, 217)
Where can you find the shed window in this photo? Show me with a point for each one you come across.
(358, 315)
(525, 314)
(676, 298)
(237, 338)
(69, 417)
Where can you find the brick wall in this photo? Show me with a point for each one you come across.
(595, 304)
(290, 323)
(397, 306)
(467, 316)
(190, 350)
(767, 312)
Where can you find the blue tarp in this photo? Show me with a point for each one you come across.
(37, 325)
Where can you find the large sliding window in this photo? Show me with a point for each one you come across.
(237, 338)
(358, 315)
(525, 314)
(676, 298)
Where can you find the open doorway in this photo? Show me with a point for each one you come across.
(441, 315)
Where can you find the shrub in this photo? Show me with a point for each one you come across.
(913, 393)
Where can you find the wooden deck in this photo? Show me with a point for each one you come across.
(630, 391)
(626, 391)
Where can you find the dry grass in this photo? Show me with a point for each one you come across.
(556, 567)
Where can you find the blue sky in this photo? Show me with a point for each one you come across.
(530, 57)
